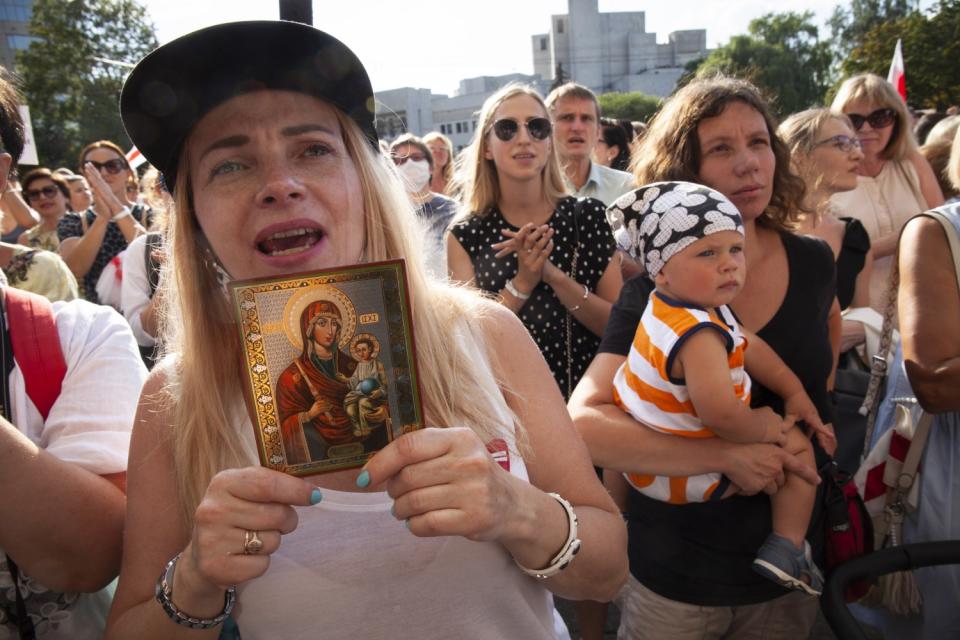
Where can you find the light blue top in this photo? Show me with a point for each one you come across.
(604, 184)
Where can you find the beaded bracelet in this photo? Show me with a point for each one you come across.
(569, 549)
(164, 595)
(586, 294)
(516, 293)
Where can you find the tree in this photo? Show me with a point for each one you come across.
(783, 55)
(633, 106)
(931, 47)
(69, 81)
(850, 25)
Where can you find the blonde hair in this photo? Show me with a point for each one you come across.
(478, 176)
(800, 132)
(447, 169)
(670, 150)
(205, 395)
(953, 165)
(879, 92)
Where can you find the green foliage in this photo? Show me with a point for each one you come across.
(72, 93)
(783, 55)
(931, 47)
(851, 24)
(634, 106)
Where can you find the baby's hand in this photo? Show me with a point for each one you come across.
(801, 406)
(776, 427)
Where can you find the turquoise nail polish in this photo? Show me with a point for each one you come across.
(363, 480)
(315, 496)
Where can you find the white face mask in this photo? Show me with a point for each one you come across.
(415, 174)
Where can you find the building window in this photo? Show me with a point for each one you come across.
(16, 10)
(459, 129)
(474, 125)
(19, 42)
(543, 44)
(559, 26)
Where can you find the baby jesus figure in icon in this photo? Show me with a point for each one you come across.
(366, 403)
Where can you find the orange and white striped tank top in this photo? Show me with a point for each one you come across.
(643, 386)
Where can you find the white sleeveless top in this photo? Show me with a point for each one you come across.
(883, 204)
(351, 570)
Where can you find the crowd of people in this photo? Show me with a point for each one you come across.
(643, 321)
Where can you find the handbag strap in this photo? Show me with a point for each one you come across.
(568, 317)
(23, 621)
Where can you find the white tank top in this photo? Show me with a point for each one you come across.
(352, 571)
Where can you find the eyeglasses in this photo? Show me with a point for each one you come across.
(48, 191)
(416, 156)
(113, 167)
(842, 142)
(879, 119)
(507, 128)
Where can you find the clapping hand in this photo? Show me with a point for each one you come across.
(532, 245)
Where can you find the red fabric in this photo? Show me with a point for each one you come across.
(875, 487)
(849, 531)
(36, 346)
(897, 75)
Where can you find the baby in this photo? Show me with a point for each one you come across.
(365, 403)
(687, 371)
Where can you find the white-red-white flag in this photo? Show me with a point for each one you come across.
(135, 158)
(896, 76)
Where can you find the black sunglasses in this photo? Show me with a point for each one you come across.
(507, 128)
(48, 191)
(879, 119)
(113, 167)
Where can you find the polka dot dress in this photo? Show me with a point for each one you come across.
(544, 315)
(71, 226)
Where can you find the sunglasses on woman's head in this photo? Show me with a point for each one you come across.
(842, 142)
(46, 192)
(113, 167)
(507, 128)
(879, 119)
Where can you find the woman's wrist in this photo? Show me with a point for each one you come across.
(193, 594)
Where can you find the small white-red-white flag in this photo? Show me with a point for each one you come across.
(135, 158)
(896, 75)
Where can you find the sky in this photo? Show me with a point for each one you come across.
(433, 44)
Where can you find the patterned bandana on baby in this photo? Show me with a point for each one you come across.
(657, 221)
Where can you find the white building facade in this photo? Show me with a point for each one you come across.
(608, 52)
(612, 52)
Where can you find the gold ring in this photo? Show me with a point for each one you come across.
(252, 544)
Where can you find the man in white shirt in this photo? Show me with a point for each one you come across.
(62, 506)
(576, 127)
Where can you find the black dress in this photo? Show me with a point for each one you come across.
(850, 260)
(71, 226)
(702, 553)
(544, 315)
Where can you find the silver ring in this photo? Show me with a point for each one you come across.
(252, 544)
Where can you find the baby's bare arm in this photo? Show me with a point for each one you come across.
(702, 361)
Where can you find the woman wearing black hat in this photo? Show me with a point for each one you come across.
(254, 146)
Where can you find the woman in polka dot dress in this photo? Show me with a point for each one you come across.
(548, 257)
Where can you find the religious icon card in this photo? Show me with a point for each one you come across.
(330, 368)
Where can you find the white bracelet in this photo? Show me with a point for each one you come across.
(515, 292)
(123, 213)
(569, 549)
(586, 294)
